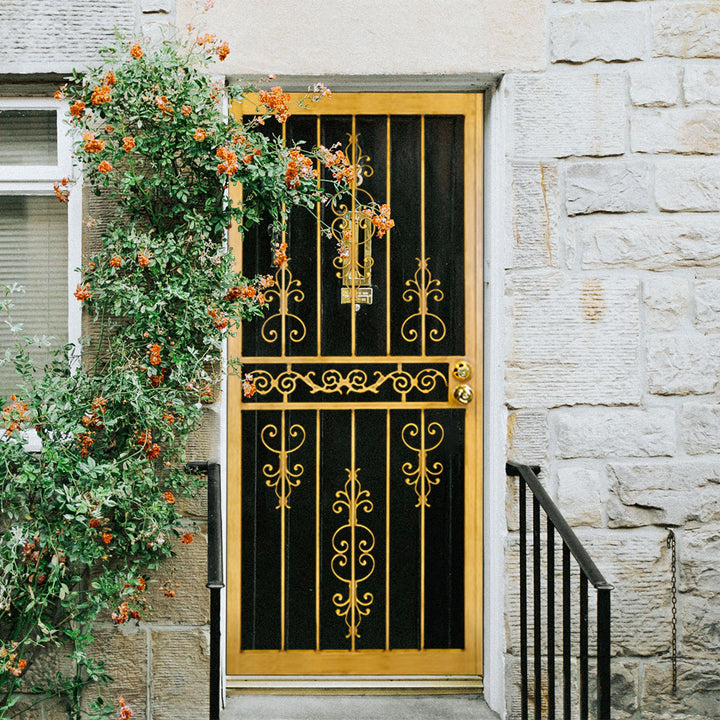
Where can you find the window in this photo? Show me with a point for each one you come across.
(39, 236)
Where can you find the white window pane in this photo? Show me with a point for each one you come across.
(33, 253)
(28, 137)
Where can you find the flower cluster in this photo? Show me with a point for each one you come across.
(14, 415)
(275, 101)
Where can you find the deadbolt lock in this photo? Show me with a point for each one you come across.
(463, 394)
(462, 371)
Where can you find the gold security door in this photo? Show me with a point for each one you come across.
(354, 496)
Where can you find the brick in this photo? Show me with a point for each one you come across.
(701, 428)
(682, 364)
(42, 37)
(637, 563)
(672, 492)
(180, 674)
(701, 82)
(527, 436)
(688, 183)
(600, 33)
(580, 495)
(675, 130)
(698, 551)
(574, 339)
(655, 83)
(649, 243)
(157, 6)
(191, 604)
(666, 297)
(687, 29)
(707, 304)
(535, 215)
(125, 651)
(700, 695)
(559, 114)
(606, 432)
(606, 187)
(700, 626)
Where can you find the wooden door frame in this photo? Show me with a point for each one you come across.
(470, 105)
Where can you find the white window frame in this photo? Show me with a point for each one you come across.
(37, 180)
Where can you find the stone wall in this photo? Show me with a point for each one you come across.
(613, 309)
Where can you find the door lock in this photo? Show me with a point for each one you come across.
(462, 371)
(463, 394)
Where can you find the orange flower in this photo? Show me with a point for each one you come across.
(14, 414)
(206, 38)
(163, 103)
(186, 110)
(187, 538)
(107, 538)
(115, 261)
(280, 257)
(155, 354)
(136, 51)
(109, 129)
(223, 51)
(83, 292)
(249, 388)
(91, 144)
(94, 523)
(276, 102)
(104, 167)
(168, 417)
(169, 497)
(109, 78)
(229, 165)
(59, 95)
(100, 95)
(144, 258)
(199, 135)
(153, 451)
(62, 194)
(77, 109)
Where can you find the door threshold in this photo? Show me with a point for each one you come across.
(355, 684)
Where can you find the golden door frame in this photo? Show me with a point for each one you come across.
(390, 662)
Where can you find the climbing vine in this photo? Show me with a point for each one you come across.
(90, 518)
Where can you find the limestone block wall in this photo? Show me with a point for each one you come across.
(612, 288)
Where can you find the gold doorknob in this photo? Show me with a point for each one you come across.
(462, 371)
(463, 394)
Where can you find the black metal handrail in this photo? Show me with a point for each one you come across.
(215, 576)
(589, 573)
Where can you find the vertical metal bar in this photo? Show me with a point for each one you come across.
(551, 619)
(584, 694)
(215, 642)
(283, 278)
(318, 247)
(353, 259)
(387, 529)
(603, 653)
(282, 462)
(353, 521)
(215, 581)
(317, 530)
(523, 601)
(388, 304)
(537, 610)
(422, 232)
(567, 639)
(421, 480)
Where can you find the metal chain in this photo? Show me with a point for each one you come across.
(673, 600)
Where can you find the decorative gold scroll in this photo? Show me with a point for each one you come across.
(284, 478)
(424, 475)
(423, 288)
(355, 381)
(353, 232)
(285, 289)
(352, 562)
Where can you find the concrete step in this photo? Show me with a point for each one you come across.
(357, 707)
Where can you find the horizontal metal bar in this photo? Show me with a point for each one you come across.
(587, 566)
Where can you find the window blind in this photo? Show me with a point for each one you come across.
(28, 137)
(34, 254)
